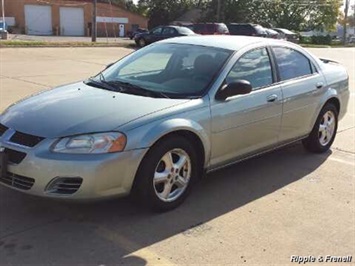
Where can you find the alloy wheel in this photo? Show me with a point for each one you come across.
(172, 175)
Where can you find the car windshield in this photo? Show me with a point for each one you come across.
(166, 69)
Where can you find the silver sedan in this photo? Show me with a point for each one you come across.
(154, 122)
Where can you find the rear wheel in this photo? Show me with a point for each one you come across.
(324, 130)
(142, 42)
(166, 174)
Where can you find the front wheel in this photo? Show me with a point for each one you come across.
(166, 174)
(323, 133)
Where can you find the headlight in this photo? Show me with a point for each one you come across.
(92, 143)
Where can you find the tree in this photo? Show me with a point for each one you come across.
(299, 14)
(162, 12)
(292, 14)
(231, 11)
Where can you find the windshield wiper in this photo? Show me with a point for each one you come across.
(126, 87)
(103, 84)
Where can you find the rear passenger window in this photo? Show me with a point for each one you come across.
(253, 66)
(292, 64)
(168, 31)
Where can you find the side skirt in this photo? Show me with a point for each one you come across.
(249, 156)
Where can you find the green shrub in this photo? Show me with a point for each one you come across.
(325, 40)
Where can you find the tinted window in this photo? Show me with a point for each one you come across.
(253, 66)
(240, 29)
(291, 64)
(199, 27)
(205, 28)
(157, 31)
(210, 28)
(169, 31)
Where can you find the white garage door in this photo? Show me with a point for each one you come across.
(71, 21)
(38, 19)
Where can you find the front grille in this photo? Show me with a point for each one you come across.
(64, 185)
(17, 181)
(25, 139)
(3, 129)
(15, 156)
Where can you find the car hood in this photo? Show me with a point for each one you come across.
(79, 108)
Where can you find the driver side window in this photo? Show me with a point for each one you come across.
(254, 66)
(157, 31)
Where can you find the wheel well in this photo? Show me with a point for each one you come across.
(194, 140)
(335, 102)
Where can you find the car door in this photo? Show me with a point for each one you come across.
(169, 32)
(155, 35)
(245, 124)
(302, 88)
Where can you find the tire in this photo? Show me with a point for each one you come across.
(162, 183)
(142, 42)
(324, 130)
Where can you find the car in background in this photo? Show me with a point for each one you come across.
(210, 28)
(137, 31)
(161, 33)
(273, 34)
(154, 122)
(3, 26)
(247, 29)
(288, 35)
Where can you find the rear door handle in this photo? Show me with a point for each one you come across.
(271, 98)
(319, 85)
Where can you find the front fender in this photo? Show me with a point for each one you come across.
(148, 135)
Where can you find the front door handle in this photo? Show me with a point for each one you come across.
(271, 98)
(319, 85)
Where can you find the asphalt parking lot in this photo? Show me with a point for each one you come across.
(261, 211)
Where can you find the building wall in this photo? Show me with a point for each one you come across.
(15, 8)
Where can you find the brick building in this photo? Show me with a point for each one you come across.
(69, 18)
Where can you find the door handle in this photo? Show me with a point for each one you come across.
(271, 98)
(319, 85)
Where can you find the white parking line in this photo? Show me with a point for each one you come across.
(342, 161)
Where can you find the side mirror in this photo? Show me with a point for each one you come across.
(109, 65)
(237, 87)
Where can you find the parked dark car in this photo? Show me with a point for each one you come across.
(210, 28)
(161, 33)
(288, 35)
(247, 29)
(134, 33)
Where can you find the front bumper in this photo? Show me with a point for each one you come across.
(103, 175)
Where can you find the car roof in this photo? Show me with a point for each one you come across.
(229, 42)
(252, 24)
(208, 23)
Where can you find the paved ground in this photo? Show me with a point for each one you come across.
(258, 212)
(24, 37)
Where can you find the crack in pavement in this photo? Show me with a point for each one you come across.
(30, 228)
(345, 151)
(18, 79)
(345, 129)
